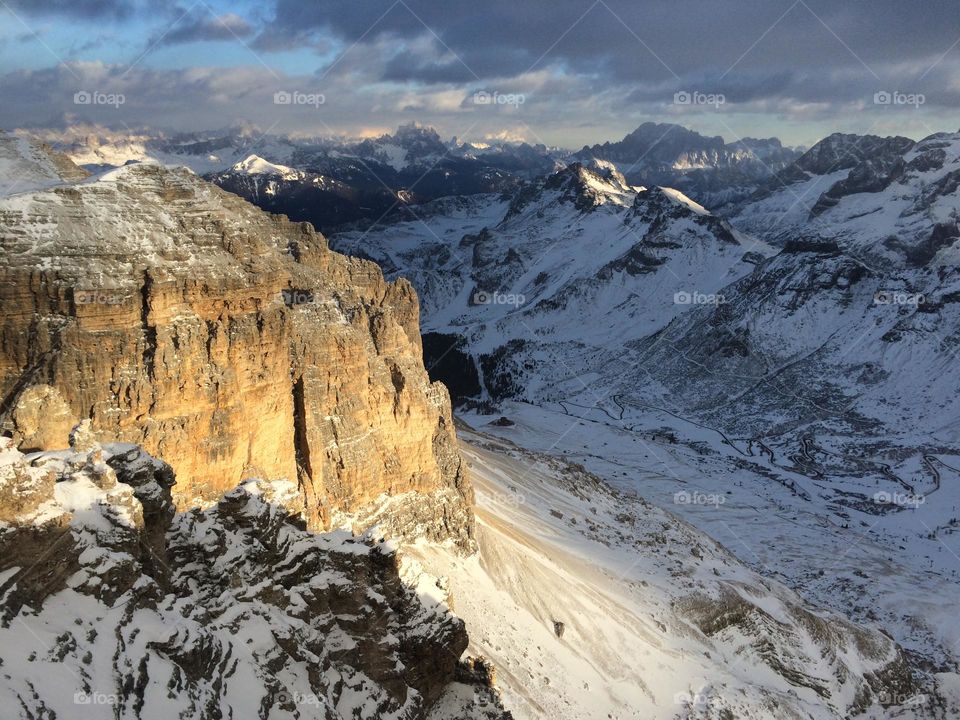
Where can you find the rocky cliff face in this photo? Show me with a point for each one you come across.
(227, 341)
(112, 605)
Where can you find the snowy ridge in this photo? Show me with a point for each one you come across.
(685, 201)
(889, 201)
(123, 609)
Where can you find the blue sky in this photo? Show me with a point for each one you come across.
(585, 70)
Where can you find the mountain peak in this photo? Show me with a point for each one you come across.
(661, 194)
(842, 151)
(588, 187)
(256, 165)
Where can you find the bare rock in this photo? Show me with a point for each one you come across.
(229, 342)
(41, 420)
(22, 489)
(82, 439)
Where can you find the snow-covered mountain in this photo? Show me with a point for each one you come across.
(890, 201)
(803, 361)
(418, 147)
(97, 148)
(415, 164)
(554, 276)
(710, 169)
(305, 195)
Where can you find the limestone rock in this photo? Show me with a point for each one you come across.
(81, 437)
(229, 342)
(22, 489)
(41, 420)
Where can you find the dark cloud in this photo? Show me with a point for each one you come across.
(406, 66)
(81, 9)
(206, 26)
(634, 40)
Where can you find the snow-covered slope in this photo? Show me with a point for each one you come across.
(573, 266)
(25, 166)
(586, 602)
(113, 606)
(256, 165)
(889, 201)
(592, 603)
(850, 333)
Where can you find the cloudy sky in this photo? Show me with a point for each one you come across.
(564, 72)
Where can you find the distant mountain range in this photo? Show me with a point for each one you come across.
(343, 180)
(707, 168)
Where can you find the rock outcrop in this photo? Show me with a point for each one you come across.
(127, 609)
(229, 342)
